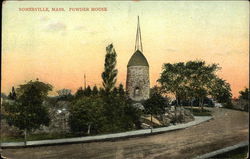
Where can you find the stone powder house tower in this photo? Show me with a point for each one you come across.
(137, 83)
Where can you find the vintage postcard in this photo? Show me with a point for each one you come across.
(124, 79)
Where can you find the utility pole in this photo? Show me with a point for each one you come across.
(84, 82)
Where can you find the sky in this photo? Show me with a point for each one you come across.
(59, 47)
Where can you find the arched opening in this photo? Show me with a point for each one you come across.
(137, 91)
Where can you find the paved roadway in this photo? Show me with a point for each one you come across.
(229, 127)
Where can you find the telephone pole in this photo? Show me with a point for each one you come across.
(84, 81)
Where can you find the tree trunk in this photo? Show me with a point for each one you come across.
(202, 100)
(199, 105)
(192, 105)
(151, 123)
(25, 137)
(89, 126)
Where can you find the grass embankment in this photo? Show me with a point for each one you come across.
(198, 112)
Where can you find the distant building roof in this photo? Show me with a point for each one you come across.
(138, 59)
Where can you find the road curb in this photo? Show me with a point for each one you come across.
(221, 151)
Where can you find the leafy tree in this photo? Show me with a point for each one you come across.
(64, 92)
(155, 105)
(103, 115)
(221, 91)
(12, 94)
(95, 91)
(102, 92)
(173, 79)
(193, 80)
(65, 95)
(115, 91)
(28, 112)
(131, 117)
(200, 77)
(121, 90)
(88, 91)
(120, 114)
(79, 93)
(110, 73)
(86, 113)
(244, 94)
(154, 90)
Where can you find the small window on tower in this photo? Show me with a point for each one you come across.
(137, 91)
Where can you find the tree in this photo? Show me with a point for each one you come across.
(102, 92)
(95, 91)
(121, 90)
(86, 113)
(12, 94)
(79, 93)
(115, 91)
(221, 91)
(155, 105)
(244, 94)
(88, 91)
(64, 92)
(119, 113)
(110, 73)
(103, 115)
(154, 90)
(193, 80)
(28, 112)
(173, 79)
(200, 78)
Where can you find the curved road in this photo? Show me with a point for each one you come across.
(228, 127)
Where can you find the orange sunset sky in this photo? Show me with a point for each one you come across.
(60, 47)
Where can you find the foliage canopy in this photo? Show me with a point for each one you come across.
(27, 112)
(194, 80)
(110, 73)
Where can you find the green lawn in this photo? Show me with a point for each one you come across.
(11, 139)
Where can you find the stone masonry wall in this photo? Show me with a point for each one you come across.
(137, 84)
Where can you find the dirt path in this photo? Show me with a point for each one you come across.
(228, 127)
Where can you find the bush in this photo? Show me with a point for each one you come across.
(86, 112)
(120, 114)
(198, 112)
(107, 114)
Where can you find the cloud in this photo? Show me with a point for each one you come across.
(228, 53)
(171, 50)
(80, 27)
(55, 26)
(44, 19)
(85, 29)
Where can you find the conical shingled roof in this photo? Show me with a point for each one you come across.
(138, 59)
